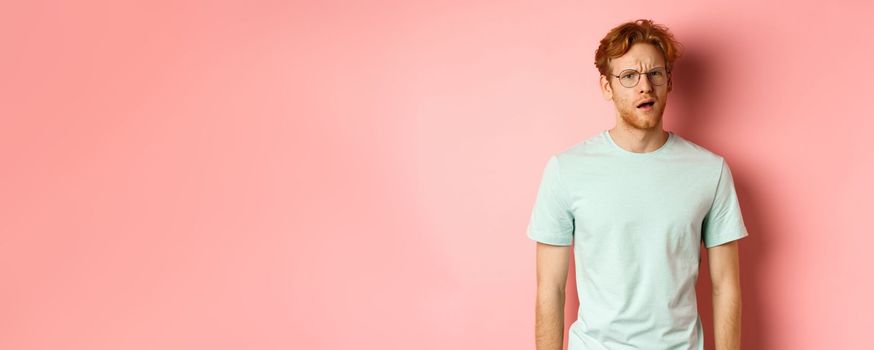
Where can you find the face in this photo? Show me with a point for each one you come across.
(642, 57)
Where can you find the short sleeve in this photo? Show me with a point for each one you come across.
(723, 222)
(552, 220)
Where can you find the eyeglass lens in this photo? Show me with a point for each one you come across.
(630, 77)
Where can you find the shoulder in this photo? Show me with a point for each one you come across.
(689, 148)
(592, 145)
(710, 163)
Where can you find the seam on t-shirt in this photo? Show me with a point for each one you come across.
(564, 193)
(723, 239)
(718, 181)
(561, 182)
(710, 210)
(549, 238)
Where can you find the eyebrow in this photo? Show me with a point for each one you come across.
(639, 71)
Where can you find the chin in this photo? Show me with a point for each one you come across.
(650, 118)
(641, 120)
(644, 122)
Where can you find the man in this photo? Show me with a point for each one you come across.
(635, 202)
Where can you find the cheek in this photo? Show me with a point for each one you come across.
(626, 101)
(620, 102)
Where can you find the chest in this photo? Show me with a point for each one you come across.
(639, 198)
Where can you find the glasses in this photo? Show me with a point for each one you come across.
(630, 77)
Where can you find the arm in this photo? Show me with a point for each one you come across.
(552, 271)
(725, 278)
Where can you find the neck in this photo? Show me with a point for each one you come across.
(638, 140)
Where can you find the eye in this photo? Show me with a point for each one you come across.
(655, 74)
(628, 75)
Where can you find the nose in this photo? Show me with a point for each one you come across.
(644, 84)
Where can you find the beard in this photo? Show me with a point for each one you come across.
(642, 120)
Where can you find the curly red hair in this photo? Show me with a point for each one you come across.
(619, 40)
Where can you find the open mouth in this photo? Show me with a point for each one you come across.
(646, 105)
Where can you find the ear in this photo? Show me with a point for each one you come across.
(670, 82)
(606, 89)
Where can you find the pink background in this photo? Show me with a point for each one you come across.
(359, 175)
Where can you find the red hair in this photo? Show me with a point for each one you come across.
(619, 40)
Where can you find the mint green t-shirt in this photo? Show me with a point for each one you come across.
(636, 222)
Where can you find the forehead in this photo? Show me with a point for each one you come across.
(640, 56)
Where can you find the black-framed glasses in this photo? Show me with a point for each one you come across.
(630, 77)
